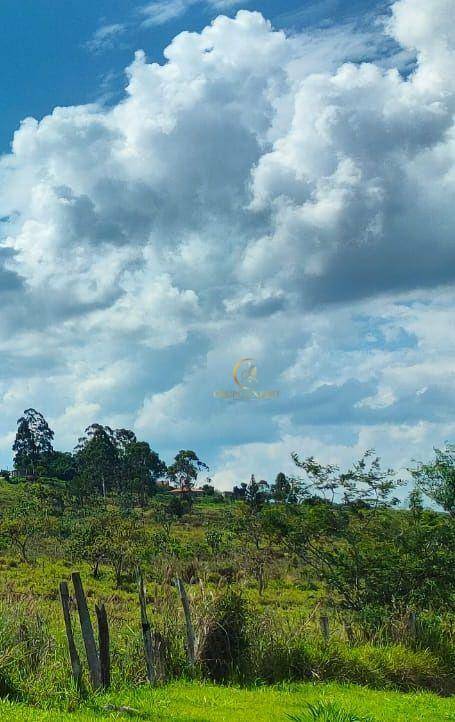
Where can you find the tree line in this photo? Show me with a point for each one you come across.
(104, 461)
(344, 529)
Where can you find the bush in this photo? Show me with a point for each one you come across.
(224, 647)
(381, 667)
(281, 652)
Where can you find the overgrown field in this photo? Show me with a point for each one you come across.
(297, 591)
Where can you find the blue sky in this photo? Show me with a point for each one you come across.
(46, 56)
(192, 182)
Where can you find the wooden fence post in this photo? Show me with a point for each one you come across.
(146, 633)
(76, 665)
(87, 632)
(190, 636)
(325, 629)
(103, 641)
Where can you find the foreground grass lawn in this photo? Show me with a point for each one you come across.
(184, 702)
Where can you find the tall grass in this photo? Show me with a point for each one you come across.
(237, 643)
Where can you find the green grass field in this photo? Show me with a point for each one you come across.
(209, 703)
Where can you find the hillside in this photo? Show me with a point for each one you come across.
(264, 590)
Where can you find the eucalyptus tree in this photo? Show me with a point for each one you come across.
(97, 461)
(184, 470)
(33, 442)
(142, 467)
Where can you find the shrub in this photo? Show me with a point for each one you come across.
(280, 651)
(224, 646)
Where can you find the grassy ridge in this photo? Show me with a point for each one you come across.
(208, 703)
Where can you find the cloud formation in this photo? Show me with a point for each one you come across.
(256, 194)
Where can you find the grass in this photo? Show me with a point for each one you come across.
(186, 702)
(328, 712)
(283, 647)
(285, 644)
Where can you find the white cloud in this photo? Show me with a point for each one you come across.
(255, 195)
(105, 37)
(160, 12)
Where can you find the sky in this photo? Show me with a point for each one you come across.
(186, 183)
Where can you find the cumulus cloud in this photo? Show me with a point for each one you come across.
(287, 198)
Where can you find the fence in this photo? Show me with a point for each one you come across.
(97, 651)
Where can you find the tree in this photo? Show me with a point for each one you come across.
(370, 558)
(416, 503)
(25, 524)
(58, 465)
(184, 471)
(320, 480)
(25, 452)
(208, 487)
(33, 441)
(97, 460)
(108, 536)
(354, 546)
(88, 538)
(437, 478)
(256, 494)
(52, 494)
(247, 523)
(123, 439)
(367, 484)
(239, 492)
(125, 544)
(141, 468)
(364, 484)
(214, 540)
(166, 513)
(282, 488)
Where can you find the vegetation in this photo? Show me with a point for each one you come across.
(184, 701)
(328, 712)
(318, 577)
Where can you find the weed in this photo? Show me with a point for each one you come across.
(328, 712)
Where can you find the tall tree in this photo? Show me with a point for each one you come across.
(97, 460)
(123, 438)
(184, 471)
(282, 488)
(256, 494)
(58, 465)
(356, 545)
(33, 442)
(142, 467)
(247, 523)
